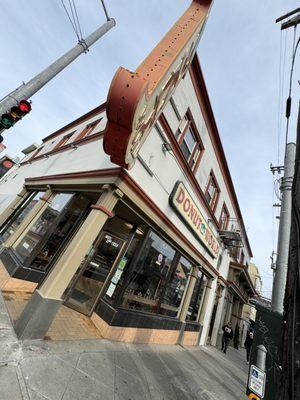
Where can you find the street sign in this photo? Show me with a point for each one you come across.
(253, 396)
(257, 380)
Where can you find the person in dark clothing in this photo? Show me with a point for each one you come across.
(248, 343)
(227, 336)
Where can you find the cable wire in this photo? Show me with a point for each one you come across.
(77, 19)
(279, 98)
(70, 19)
(289, 99)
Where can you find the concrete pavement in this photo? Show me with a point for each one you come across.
(100, 369)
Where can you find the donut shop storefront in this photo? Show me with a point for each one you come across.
(135, 282)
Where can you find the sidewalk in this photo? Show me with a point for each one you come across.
(99, 370)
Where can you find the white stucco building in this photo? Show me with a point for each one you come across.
(155, 254)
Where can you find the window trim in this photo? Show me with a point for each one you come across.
(63, 141)
(213, 204)
(175, 109)
(36, 153)
(224, 208)
(198, 145)
(88, 129)
(18, 210)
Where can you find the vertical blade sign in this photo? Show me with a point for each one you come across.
(136, 99)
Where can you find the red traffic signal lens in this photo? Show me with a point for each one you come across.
(7, 164)
(7, 121)
(24, 106)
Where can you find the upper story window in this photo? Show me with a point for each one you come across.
(189, 141)
(88, 129)
(242, 257)
(36, 153)
(212, 191)
(63, 140)
(224, 218)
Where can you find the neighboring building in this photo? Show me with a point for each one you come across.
(249, 312)
(155, 254)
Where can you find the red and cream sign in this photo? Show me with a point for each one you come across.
(184, 205)
(136, 99)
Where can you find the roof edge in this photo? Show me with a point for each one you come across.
(204, 93)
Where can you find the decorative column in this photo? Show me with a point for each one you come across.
(235, 311)
(188, 294)
(13, 205)
(228, 314)
(40, 311)
(29, 220)
(221, 297)
(205, 301)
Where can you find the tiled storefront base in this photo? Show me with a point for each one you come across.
(190, 338)
(67, 325)
(70, 325)
(15, 285)
(141, 335)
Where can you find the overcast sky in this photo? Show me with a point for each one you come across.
(240, 58)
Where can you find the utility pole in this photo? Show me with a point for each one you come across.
(290, 375)
(290, 385)
(279, 283)
(27, 90)
(284, 230)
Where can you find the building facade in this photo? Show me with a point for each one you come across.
(145, 253)
(249, 312)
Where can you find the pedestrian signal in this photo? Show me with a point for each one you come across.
(6, 163)
(8, 119)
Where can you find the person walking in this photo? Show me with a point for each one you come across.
(248, 344)
(227, 336)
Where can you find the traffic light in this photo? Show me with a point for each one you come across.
(5, 164)
(8, 119)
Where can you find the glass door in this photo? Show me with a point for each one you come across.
(85, 292)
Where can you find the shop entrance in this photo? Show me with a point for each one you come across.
(104, 261)
(97, 265)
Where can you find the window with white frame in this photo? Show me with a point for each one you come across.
(224, 218)
(189, 141)
(212, 191)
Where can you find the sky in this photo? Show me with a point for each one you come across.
(245, 60)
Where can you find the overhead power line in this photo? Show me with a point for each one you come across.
(72, 21)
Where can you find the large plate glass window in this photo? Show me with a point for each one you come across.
(42, 226)
(197, 298)
(175, 288)
(149, 275)
(20, 215)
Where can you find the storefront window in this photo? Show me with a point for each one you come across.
(149, 275)
(59, 234)
(42, 226)
(119, 279)
(20, 214)
(197, 297)
(175, 288)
